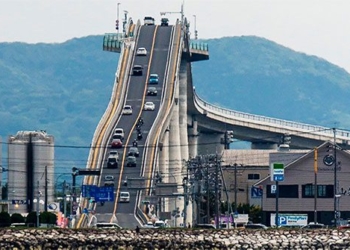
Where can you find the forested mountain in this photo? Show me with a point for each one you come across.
(65, 88)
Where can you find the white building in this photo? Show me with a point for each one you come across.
(29, 154)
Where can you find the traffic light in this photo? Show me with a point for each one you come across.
(117, 24)
(287, 139)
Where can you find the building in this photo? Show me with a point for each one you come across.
(243, 168)
(30, 171)
(326, 168)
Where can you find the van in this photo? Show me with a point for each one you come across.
(148, 20)
(124, 197)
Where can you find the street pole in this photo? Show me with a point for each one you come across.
(277, 196)
(64, 200)
(235, 188)
(37, 206)
(117, 22)
(45, 203)
(335, 180)
(217, 193)
(315, 188)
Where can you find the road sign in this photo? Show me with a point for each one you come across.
(19, 202)
(104, 194)
(89, 190)
(278, 177)
(277, 172)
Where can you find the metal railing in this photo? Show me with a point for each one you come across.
(319, 130)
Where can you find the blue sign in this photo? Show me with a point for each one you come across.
(278, 177)
(256, 192)
(19, 202)
(89, 190)
(104, 194)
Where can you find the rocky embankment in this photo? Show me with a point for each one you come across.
(172, 239)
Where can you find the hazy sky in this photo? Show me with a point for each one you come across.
(315, 27)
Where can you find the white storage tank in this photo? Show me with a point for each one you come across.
(26, 170)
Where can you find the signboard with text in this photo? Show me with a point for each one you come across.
(277, 172)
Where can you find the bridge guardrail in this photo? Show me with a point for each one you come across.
(341, 134)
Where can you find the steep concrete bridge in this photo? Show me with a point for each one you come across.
(182, 126)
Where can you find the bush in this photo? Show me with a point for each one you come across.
(31, 218)
(48, 218)
(17, 218)
(5, 219)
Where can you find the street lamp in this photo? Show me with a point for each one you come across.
(195, 27)
(117, 21)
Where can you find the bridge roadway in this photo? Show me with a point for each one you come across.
(156, 39)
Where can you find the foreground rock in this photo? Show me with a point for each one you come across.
(172, 239)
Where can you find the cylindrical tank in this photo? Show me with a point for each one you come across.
(26, 166)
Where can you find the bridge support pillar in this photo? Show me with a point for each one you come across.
(263, 145)
(163, 167)
(193, 138)
(210, 144)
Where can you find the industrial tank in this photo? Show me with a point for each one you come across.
(29, 154)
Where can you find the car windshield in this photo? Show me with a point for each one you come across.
(153, 77)
(124, 194)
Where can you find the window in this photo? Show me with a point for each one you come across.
(253, 176)
(323, 191)
(285, 191)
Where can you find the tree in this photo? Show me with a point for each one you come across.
(5, 219)
(48, 218)
(17, 218)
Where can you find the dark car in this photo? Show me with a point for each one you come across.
(137, 70)
(131, 161)
(164, 21)
(152, 91)
(134, 151)
(112, 162)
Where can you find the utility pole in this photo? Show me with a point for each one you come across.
(37, 206)
(45, 203)
(336, 216)
(208, 200)
(217, 193)
(64, 200)
(235, 188)
(315, 188)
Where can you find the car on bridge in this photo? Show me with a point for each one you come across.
(141, 52)
(112, 162)
(148, 20)
(164, 21)
(149, 106)
(133, 151)
(131, 161)
(127, 110)
(124, 197)
(137, 70)
(152, 91)
(153, 79)
(116, 143)
(118, 134)
(109, 184)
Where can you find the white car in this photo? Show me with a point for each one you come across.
(149, 106)
(127, 110)
(118, 133)
(124, 197)
(141, 52)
